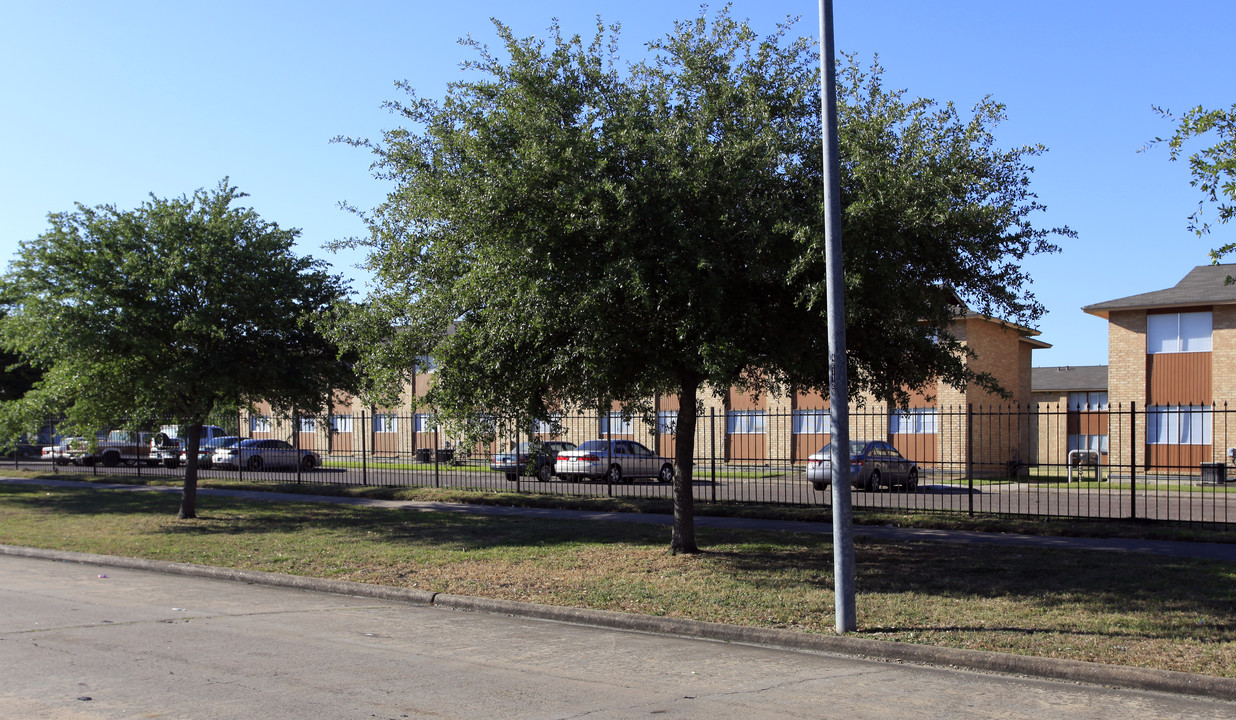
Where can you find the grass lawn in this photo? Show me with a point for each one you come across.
(1119, 608)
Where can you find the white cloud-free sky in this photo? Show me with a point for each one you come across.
(104, 103)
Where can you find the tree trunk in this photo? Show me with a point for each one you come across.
(188, 498)
(683, 538)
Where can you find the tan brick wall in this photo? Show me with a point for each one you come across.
(1126, 382)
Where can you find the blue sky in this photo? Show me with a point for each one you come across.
(106, 102)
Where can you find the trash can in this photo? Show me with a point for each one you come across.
(445, 455)
(1214, 473)
(422, 455)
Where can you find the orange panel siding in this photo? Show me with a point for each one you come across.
(1182, 458)
(919, 448)
(1178, 378)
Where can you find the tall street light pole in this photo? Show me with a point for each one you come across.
(838, 382)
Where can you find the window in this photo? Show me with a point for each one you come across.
(308, 424)
(915, 421)
(615, 424)
(423, 422)
(1178, 332)
(812, 422)
(667, 422)
(426, 364)
(385, 423)
(744, 422)
(547, 427)
(259, 424)
(1080, 401)
(1097, 443)
(1179, 425)
(341, 423)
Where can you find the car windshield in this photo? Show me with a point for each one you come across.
(221, 442)
(594, 445)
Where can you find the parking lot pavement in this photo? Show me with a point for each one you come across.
(93, 641)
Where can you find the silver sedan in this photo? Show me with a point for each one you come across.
(873, 464)
(613, 461)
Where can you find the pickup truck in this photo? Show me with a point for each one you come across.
(166, 446)
(120, 446)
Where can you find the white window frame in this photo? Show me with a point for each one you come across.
(1082, 441)
(621, 425)
(308, 424)
(341, 424)
(259, 423)
(1179, 424)
(812, 422)
(1087, 401)
(914, 421)
(746, 422)
(385, 423)
(424, 422)
(1179, 332)
(667, 422)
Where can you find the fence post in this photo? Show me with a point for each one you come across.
(712, 449)
(1133, 460)
(296, 443)
(364, 464)
(436, 479)
(970, 454)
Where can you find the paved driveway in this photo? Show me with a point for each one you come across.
(86, 641)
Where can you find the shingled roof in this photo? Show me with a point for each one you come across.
(1204, 285)
(1068, 378)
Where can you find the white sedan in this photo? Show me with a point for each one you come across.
(613, 461)
(255, 455)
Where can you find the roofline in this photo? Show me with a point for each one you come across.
(1105, 312)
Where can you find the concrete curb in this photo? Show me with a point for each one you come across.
(1119, 676)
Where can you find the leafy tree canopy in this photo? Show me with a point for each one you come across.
(167, 311)
(1213, 168)
(563, 230)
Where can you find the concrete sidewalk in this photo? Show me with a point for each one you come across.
(1067, 670)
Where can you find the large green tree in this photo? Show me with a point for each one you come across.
(1213, 168)
(168, 311)
(564, 231)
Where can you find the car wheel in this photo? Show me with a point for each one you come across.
(667, 474)
(255, 463)
(912, 480)
(819, 486)
(511, 477)
(111, 459)
(614, 475)
(544, 473)
(873, 481)
(171, 464)
(307, 463)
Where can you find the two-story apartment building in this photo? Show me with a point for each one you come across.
(745, 429)
(1172, 357)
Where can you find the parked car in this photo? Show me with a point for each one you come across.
(206, 451)
(256, 454)
(613, 461)
(59, 453)
(531, 458)
(873, 464)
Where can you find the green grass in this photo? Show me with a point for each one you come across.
(1107, 607)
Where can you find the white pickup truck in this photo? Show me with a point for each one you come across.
(120, 446)
(166, 445)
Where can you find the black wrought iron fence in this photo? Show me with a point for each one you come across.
(1157, 463)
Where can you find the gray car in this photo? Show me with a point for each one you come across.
(873, 464)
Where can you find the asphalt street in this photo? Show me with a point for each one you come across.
(82, 641)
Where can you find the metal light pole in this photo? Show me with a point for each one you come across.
(838, 382)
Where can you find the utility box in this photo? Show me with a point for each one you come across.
(1214, 473)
